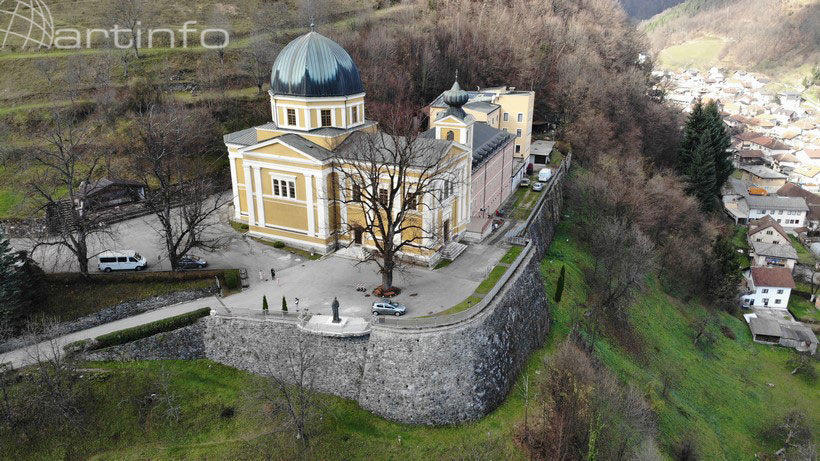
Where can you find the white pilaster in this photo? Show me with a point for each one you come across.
(310, 205)
(322, 202)
(234, 187)
(260, 200)
(249, 194)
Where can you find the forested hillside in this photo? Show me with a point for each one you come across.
(755, 34)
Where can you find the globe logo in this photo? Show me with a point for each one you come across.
(25, 23)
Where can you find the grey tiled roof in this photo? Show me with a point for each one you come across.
(774, 202)
(777, 251)
(486, 142)
(245, 137)
(763, 172)
(481, 106)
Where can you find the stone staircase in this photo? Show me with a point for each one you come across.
(453, 250)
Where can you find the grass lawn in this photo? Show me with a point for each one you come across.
(701, 53)
(803, 309)
(69, 301)
(804, 256)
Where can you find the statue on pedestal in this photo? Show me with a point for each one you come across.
(335, 308)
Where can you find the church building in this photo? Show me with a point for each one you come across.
(288, 176)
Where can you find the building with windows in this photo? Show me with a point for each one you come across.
(289, 176)
(768, 287)
(504, 108)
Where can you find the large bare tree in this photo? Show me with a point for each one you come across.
(388, 184)
(170, 145)
(130, 15)
(65, 160)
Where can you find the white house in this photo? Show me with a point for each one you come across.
(790, 100)
(789, 212)
(768, 287)
(766, 230)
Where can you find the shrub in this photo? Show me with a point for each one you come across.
(265, 304)
(284, 304)
(149, 329)
(232, 281)
(559, 289)
(279, 244)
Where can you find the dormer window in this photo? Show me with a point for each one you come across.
(326, 117)
(292, 117)
(450, 135)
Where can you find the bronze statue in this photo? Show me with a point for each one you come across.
(335, 308)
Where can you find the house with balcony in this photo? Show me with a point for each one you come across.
(768, 287)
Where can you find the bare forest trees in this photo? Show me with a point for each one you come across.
(584, 413)
(169, 145)
(130, 15)
(257, 60)
(388, 183)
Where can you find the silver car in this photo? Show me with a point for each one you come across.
(388, 307)
(537, 187)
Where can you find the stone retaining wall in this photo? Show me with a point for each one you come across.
(443, 370)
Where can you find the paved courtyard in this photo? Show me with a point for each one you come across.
(316, 283)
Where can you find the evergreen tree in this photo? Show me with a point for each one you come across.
(695, 125)
(285, 305)
(719, 143)
(264, 304)
(701, 178)
(20, 285)
(559, 289)
(723, 274)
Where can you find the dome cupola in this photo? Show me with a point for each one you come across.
(455, 97)
(313, 65)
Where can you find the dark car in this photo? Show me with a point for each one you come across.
(192, 262)
(388, 307)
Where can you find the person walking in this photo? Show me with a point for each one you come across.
(272, 273)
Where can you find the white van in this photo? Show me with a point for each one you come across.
(122, 260)
(544, 175)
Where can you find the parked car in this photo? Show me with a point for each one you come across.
(524, 182)
(537, 187)
(192, 262)
(121, 260)
(388, 307)
(544, 175)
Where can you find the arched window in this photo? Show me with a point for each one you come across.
(451, 135)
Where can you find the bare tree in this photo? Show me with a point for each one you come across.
(67, 161)
(218, 20)
(170, 143)
(130, 15)
(257, 60)
(287, 395)
(388, 183)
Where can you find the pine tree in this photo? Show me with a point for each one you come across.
(559, 288)
(701, 178)
(719, 143)
(285, 305)
(13, 286)
(695, 125)
(264, 304)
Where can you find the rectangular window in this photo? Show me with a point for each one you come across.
(520, 117)
(506, 116)
(326, 117)
(354, 118)
(780, 292)
(517, 149)
(765, 300)
(357, 193)
(292, 117)
(412, 201)
(383, 197)
(284, 188)
(769, 232)
(518, 132)
(777, 301)
(779, 211)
